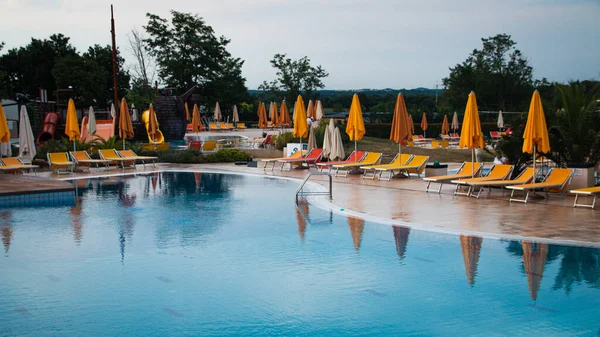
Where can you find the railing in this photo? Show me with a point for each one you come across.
(310, 174)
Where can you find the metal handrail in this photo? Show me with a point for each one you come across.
(310, 174)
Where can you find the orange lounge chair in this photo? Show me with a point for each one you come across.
(497, 172)
(558, 179)
(588, 191)
(415, 165)
(354, 157)
(295, 155)
(15, 165)
(523, 178)
(312, 157)
(60, 160)
(466, 170)
(115, 158)
(131, 155)
(370, 171)
(83, 159)
(372, 158)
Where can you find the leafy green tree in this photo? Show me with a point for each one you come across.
(141, 93)
(295, 77)
(102, 56)
(498, 73)
(84, 75)
(26, 69)
(188, 53)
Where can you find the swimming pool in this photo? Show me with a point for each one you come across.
(212, 254)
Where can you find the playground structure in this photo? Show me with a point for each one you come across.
(158, 136)
(104, 129)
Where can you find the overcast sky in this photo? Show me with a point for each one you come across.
(361, 43)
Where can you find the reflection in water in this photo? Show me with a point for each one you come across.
(471, 248)
(578, 264)
(76, 217)
(302, 212)
(401, 238)
(534, 259)
(357, 226)
(198, 179)
(6, 229)
(126, 227)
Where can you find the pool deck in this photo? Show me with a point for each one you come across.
(11, 184)
(404, 202)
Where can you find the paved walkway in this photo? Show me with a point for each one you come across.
(403, 201)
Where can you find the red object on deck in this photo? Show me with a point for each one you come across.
(49, 128)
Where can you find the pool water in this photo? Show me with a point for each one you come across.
(230, 255)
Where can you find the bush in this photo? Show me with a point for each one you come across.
(51, 146)
(227, 156)
(182, 156)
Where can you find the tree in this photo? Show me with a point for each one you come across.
(143, 68)
(29, 68)
(498, 73)
(188, 53)
(83, 74)
(295, 77)
(102, 56)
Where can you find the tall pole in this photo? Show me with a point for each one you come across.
(114, 60)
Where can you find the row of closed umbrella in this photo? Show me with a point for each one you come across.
(27, 148)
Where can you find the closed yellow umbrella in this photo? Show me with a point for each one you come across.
(445, 127)
(263, 115)
(412, 125)
(275, 118)
(187, 113)
(72, 126)
(356, 125)
(400, 123)
(536, 132)
(196, 119)
(4, 130)
(300, 125)
(284, 118)
(470, 135)
(424, 124)
(152, 123)
(125, 127)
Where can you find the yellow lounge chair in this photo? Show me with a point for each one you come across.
(354, 157)
(296, 154)
(60, 160)
(372, 158)
(399, 159)
(15, 165)
(212, 126)
(523, 178)
(466, 170)
(115, 158)
(557, 179)
(209, 146)
(588, 191)
(240, 126)
(415, 165)
(497, 172)
(83, 159)
(131, 155)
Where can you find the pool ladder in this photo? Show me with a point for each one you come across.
(310, 174)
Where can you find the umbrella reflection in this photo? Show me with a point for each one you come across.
(198, 179)
(471, 247)
(6, 229)
(357, 227)
(534, 260)
(401, 238)
(76, 215)
(302, 212)
(126, 228)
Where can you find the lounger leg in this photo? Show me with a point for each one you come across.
(575, 202)
(427, 187)
(441, 184)
(390, 175)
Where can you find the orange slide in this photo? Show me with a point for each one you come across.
(104, 129)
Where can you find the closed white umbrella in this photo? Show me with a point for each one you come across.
(134, 112)
(271, 111)
(26, 140)
(319, 110)
(455, 122)
(217, 115)
(312, 139)
(337, 150)
(327, 139)
(113, 111)
(91, 124)
(236, 116)
(500, 120)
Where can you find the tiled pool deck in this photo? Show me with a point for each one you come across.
(403, 201)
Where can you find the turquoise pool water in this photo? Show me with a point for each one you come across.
(228, 255)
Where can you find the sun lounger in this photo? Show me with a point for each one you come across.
(212, 126)
(399, 160)
(495, 135)
(524, 177)
(82, 159)
(240, 126)
(354, 157)
(466, 170)
(372, 158)
(312, 157)
(557, 179)
(15, 165)
(588, 191)
(60, 160)
(497, 172)
(131, 155)
(415, 165)
(294, 155)
(115, 158)
(209, 146)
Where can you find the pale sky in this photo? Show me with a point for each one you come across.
(361, 43)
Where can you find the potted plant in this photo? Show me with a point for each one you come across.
(575, 139)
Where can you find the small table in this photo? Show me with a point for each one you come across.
(436, 170)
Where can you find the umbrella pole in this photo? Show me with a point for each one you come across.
(473, 163)
(355, 146)
(534, 173)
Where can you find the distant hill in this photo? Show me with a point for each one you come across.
(375, 92)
